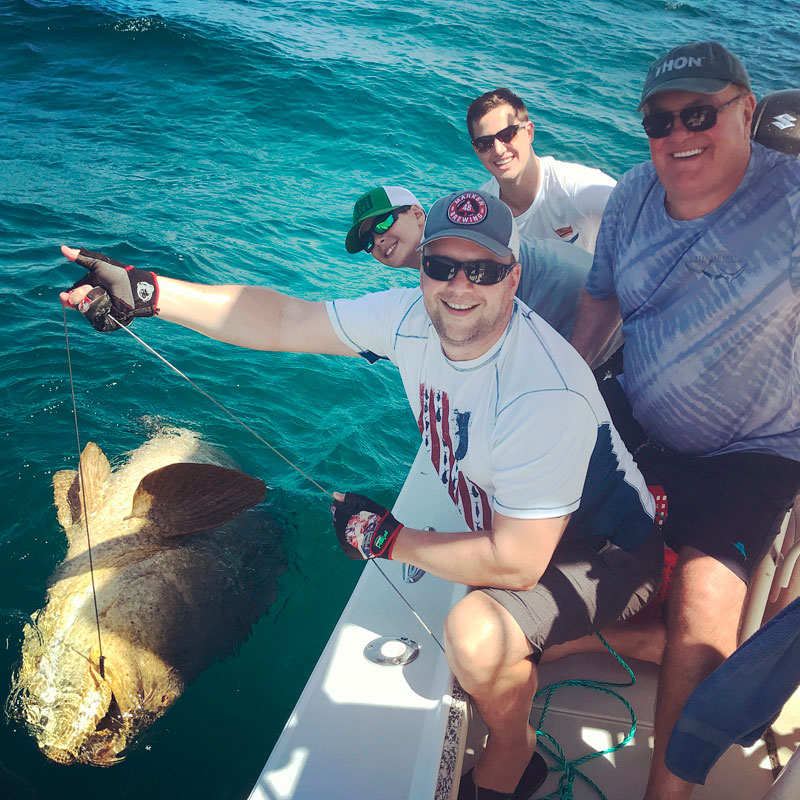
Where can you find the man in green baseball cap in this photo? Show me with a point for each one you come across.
(388, 223)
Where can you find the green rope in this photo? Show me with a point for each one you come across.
(569, 769)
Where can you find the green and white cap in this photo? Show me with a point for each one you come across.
(379, 200)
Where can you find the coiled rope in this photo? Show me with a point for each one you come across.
(569, 769)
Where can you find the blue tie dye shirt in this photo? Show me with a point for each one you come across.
(710, 310)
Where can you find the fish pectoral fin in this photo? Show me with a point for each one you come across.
(95, 471)
(187, 498)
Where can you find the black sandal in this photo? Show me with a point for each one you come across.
(533, 777)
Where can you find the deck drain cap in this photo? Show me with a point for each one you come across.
(391, 651)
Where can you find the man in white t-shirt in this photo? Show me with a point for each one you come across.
(513, 421)
(550, 199)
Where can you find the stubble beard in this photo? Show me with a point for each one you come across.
(480, 329)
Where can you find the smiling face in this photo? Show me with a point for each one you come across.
(398, 246)
(505, 162)
(468, 318)
(700, 170)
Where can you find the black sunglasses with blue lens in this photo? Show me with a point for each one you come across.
(380, 225)
(484, 273)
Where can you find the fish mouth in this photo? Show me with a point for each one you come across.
(101, 747)
(109, 739)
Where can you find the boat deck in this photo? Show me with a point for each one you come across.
(584, 721)
(393, 732)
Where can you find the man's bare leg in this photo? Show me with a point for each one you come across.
(644, 641)
(703, 617)
(487, 652)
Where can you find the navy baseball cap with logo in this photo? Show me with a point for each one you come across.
(704, 67)
(477, 217)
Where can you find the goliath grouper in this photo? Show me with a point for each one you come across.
(178, 585)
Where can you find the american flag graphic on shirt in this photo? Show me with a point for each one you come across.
(445, 434)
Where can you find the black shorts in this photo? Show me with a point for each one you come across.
(588, 584)
(729, 506)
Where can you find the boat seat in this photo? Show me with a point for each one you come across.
(775, 581)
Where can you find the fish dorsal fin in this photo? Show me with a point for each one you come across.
(96, 471)
(186, 498)
(65, 491)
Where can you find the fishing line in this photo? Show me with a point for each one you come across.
(410, 607)
(271, 447)
(83, 496)
(219, 405)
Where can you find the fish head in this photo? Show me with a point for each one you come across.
(150, 587)
(91, 715)
(63, 701)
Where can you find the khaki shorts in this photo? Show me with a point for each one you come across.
(589, 584)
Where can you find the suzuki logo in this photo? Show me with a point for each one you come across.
(784, 121)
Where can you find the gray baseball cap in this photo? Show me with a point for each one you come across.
(477, 217)
(704, 67)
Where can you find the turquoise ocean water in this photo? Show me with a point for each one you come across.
(222, 141)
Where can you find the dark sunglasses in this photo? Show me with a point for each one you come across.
(485, 143)
(380, 225)
(484, 273)
(658, 125)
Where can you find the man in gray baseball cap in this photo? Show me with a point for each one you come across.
(556, 514)
(388, 223)
(697, 254)
(477, 217)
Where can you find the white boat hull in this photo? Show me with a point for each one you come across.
(365, 731)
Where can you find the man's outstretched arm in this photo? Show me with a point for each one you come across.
(248, 316)
(595, 323)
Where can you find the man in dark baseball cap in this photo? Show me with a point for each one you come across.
(697, 255)
(704, 67)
